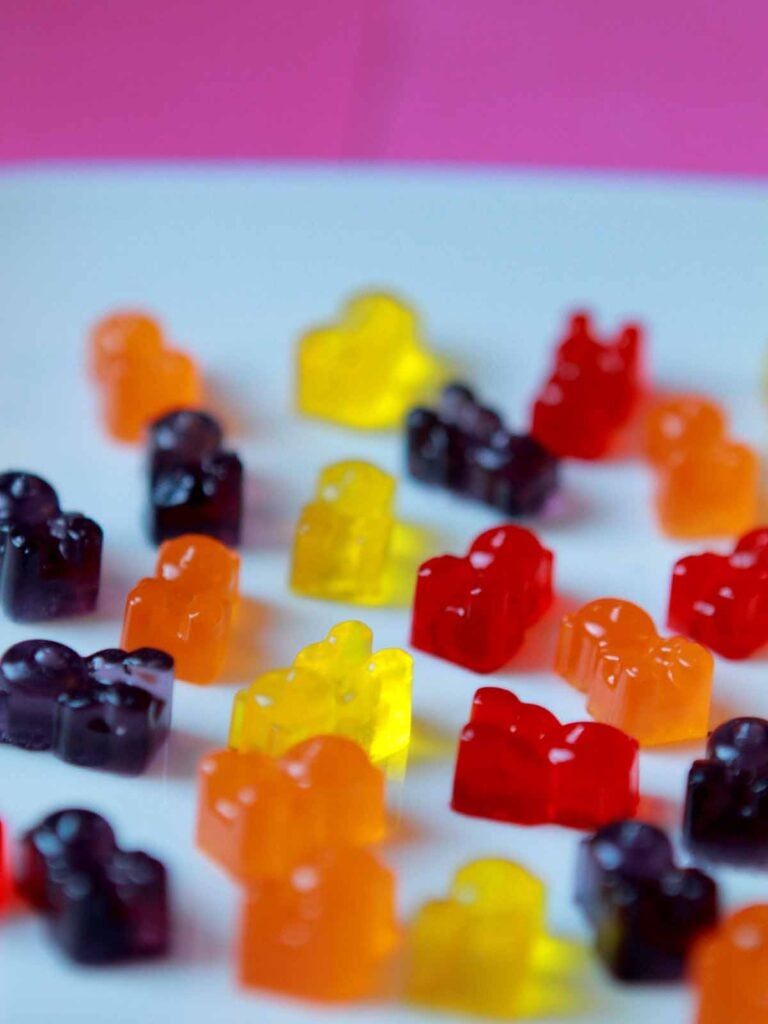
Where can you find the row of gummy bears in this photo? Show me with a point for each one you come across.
(291, 808)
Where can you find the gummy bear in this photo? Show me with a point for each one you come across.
(336, 686)
(111, 710)
(139, 375)
(592, 391)
(325, 931)
(5, 878)
(259, 817)
(366, 369)
(50, 561)
(517, 763)
(466, 448)
(474, 610)
(342, 540)
(473, 951)
(730, 969)
(654, 688)
(103, 904)
(707, 484)
(726, 805)
(646, 911)
(195, 486)
(187, 607)
(722, 600)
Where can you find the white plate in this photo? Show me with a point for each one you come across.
(237, 261)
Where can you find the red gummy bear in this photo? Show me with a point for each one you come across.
(517, 763)
(722, 600)
(474, 610)
(591, 392)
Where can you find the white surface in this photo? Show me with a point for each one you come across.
(237, 262)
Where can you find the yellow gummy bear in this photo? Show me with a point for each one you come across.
(367, 369)
(474, 950)
(337, 686)
(342, 540)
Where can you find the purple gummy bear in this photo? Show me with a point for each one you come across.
(50, 561)
(195, 486)
(111, 710)
(103, 904)
(726, 805)
(646, 911)
(465, 447)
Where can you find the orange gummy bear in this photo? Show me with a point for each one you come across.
(707, 483)
(139, 375)
(187, 608)
(654, 688)
(325, 931)
(259, 817)
(730, 968)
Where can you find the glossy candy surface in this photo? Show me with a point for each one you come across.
(50, 561)
(103, 904)
(474, 610)
(325, 931)
(139, 375)
(722, 600)
(342, 539)
(366, 369)
(465, 447)
(726, 806)
(730, 970)
(111, 710)
(472, 951)
(654, 688)
(187, 607)
(517, 763)
(338, 686)
(592, 391)
(195, 485)
(260, 817)
(646, 911)
(707, 484)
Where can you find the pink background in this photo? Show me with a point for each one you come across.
(659, 84)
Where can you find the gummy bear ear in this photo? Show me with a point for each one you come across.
(510, 542)
(495, 705)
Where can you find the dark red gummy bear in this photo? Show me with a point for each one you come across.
(722, 600)
(465, 447)
(591, 392)
(111, 710)
(195, 485)
(646, 911)
(103, 904)
(474, 610)
(50, 561)
(726, 805)
(517, 763)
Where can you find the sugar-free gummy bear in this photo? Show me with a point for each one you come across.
(103, 904)
(474, 610)
(195, 485)
(111, 710)
(50, 561)
(726, 807)
(646, 911)
(466, 447)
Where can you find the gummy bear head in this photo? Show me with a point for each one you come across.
(742, 744)
(680, 423)
(632, 849)
(26, 500)
(74, 835)
(127, 335)
(191, 434)
(493, 886)
(356, 488)
(199, 563)
(41, 667)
